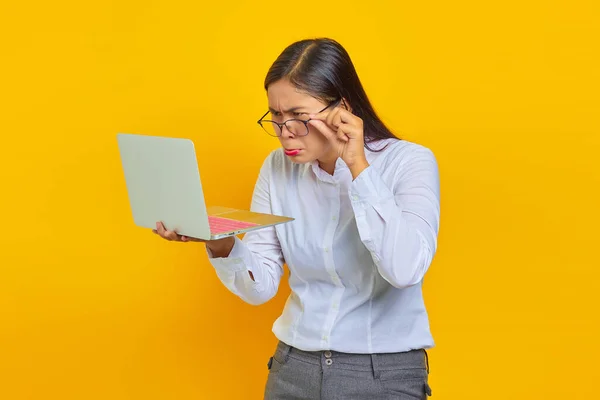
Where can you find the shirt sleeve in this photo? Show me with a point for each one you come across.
(259, 252)
(398, 222)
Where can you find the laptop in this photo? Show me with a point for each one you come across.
(163, 184)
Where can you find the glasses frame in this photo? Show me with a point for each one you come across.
(281, 125)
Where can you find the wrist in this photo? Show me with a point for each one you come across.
(359, 166)
(221, 248)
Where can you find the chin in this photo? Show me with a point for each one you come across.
(299, 160)
(302, 159)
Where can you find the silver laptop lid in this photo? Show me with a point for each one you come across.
(163, 183)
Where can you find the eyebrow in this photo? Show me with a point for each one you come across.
(287, 111)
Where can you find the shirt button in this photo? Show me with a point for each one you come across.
(334, 218)
(329, 361)
(335, 306)
(326, 250)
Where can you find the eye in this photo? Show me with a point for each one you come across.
(299, 114)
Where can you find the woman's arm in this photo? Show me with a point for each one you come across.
(399, 222)
(251, 268)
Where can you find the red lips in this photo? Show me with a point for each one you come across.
(293, 152)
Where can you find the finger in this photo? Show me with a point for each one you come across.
(160, 229)
(165, 233)
(346, 117)
(191, 239)
(333, 118)
(337, 117)
(322, 116)
(349, 131)
(172, 235)
(323, 128)
(341, 135)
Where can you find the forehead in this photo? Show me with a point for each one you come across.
(283, 94)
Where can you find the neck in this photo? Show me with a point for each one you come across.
(327, 163)
(328, 167)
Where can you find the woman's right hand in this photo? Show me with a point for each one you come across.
(219, 248)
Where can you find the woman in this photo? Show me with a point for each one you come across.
(366, 209)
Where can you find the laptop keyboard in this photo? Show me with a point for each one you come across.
(222, 225)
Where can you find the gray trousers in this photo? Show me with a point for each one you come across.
(330, 375)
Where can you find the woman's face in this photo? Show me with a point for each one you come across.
(288, 102)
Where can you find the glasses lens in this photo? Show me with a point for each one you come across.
(271, 128)
(297, 127)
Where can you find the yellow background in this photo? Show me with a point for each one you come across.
(505, 94)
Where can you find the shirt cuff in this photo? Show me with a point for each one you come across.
(368, 190)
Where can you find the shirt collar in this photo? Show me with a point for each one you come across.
(340, 166)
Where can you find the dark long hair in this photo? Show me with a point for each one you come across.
(323, 68)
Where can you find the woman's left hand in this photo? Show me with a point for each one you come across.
(344, 131)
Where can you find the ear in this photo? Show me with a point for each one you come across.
(344, 103)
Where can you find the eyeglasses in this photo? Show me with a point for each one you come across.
(298, 127)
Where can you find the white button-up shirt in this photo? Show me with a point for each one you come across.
(357, 250)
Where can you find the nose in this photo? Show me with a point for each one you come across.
(285, 132)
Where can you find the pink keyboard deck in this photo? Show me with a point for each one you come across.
(222, 225)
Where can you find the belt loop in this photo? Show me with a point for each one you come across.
(426, 360)
(286, 350)
(375, 366)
